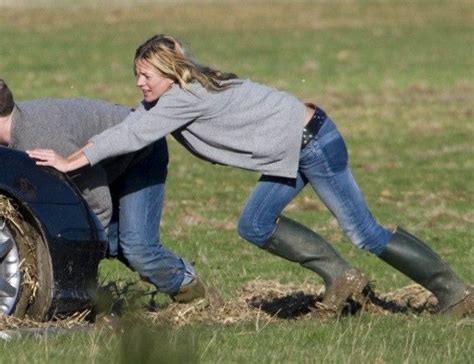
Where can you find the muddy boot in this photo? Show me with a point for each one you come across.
(195, 290)
(297, 243)
(415, 259)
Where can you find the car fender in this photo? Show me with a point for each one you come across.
(72, 232)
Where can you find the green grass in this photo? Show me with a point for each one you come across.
(362, 339)
(396, 76)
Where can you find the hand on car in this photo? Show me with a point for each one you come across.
(48, 157)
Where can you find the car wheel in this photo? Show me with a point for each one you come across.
(26, 281)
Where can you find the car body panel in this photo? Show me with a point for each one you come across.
(74, 237)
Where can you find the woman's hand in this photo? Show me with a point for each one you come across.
(48, 157)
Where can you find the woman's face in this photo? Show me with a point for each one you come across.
(150, 81)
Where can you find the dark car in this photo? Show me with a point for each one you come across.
(50, 241)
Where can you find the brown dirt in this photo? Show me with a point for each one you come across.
(9, 213)
(257, 301)
(76, 320)
(28, 265)
(270, 300)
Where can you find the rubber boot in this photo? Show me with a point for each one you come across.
(419, 262)
(297, 243)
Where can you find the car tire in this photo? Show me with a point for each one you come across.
(32, 277)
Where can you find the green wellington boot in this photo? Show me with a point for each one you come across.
(297, 243)
(419, 262)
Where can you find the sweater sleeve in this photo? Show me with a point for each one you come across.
(143, 127)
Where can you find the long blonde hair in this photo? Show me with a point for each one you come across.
(168, 56)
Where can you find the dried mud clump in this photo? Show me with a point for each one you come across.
(76, 320)
(270, 300)
(9, 213)
(28, 266)
(257, 302)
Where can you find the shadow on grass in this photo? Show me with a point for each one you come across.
(296, 304)
(262, 300)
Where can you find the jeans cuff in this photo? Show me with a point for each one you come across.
(189, 273)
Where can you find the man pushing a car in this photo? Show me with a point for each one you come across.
(126, 193)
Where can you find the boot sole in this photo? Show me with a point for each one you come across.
(464, 307)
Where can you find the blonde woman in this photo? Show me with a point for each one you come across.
(236, 122)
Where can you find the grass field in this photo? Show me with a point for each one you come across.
(396, 76)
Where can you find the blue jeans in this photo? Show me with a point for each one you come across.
(324, 165)
(134, 232)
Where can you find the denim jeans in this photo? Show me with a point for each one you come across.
(324, 165)
(134, 232)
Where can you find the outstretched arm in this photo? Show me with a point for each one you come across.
(48, 157)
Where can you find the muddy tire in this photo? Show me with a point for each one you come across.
(26, 280)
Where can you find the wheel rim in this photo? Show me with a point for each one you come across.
(9, 270)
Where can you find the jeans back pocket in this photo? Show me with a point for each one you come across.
(334, 149)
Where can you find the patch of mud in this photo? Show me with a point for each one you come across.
(10, 213)
(257, 301)
(270, 300)
(76, 320)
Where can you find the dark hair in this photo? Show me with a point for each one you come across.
(6, 99)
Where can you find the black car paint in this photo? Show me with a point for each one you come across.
(74, 237)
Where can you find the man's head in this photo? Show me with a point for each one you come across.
(6, 99)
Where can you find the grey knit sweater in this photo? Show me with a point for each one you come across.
(65, 125)
(248, 125)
